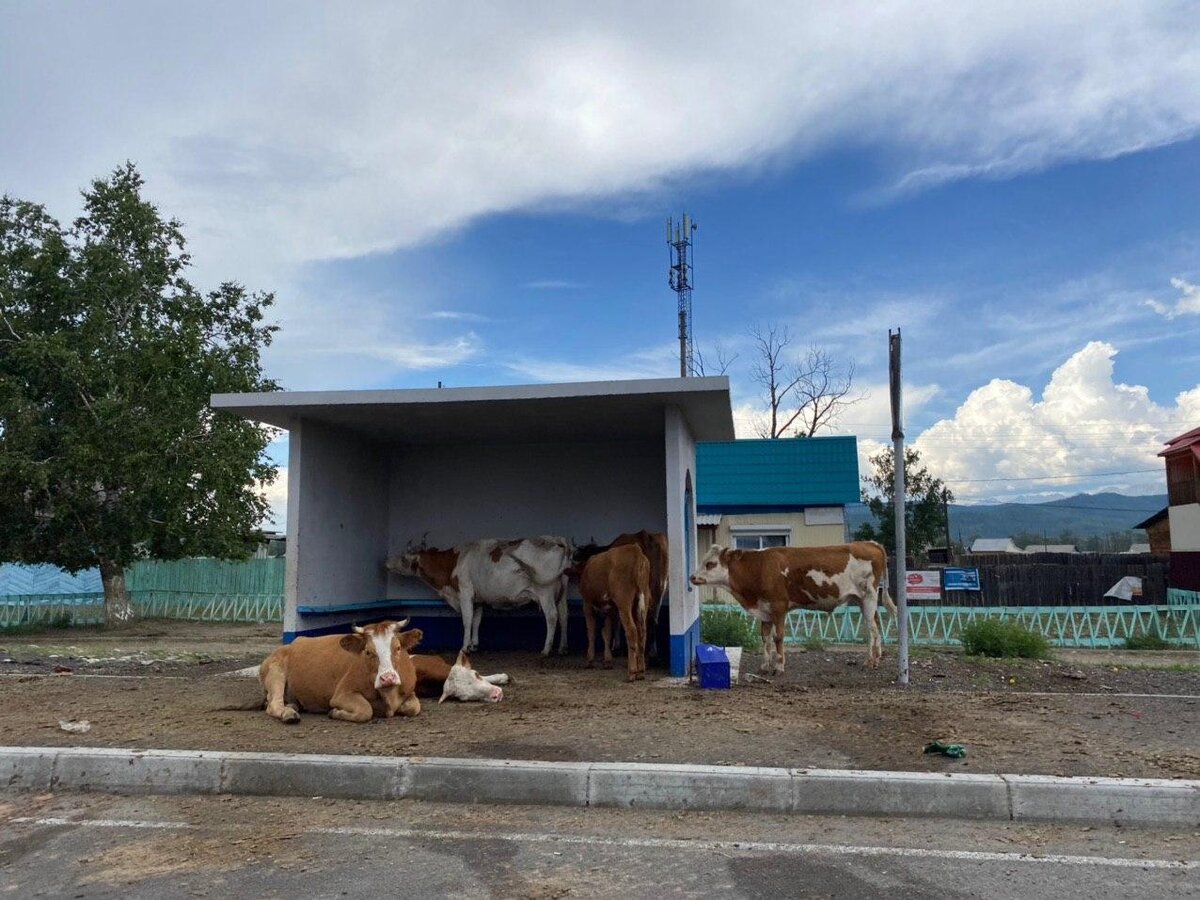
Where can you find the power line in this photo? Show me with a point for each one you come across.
(1051, 477)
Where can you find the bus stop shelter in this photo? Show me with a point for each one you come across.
(371, 473)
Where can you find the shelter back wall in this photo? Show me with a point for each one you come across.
(579, 490)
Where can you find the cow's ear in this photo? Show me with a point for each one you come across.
(463, 660)
(410, 639)
(354, 643)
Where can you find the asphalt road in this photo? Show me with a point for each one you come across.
(97, 846)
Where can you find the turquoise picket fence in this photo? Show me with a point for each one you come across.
(1091, 627)
(208, 590)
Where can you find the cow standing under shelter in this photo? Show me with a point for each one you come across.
(497, 573)
(618, 578)
(767, 583)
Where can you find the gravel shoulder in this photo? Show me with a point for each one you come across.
(1066, 717)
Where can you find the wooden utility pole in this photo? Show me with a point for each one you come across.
(946, 519)
(898, 491)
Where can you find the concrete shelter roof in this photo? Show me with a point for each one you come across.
(524, 413)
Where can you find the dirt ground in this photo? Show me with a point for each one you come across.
(1071, 716)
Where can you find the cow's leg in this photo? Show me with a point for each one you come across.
(629, 623)
(563, 617)
(768, 663)
(780, 621)
(640, 622)
(475, 620)
(466, 603)
(350, 707)
(869, 605)
(274, 680)
(563, 612)
(549, 605)
(608, 637)
(589, 621)
(779, 625)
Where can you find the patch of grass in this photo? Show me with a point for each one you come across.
(729, 628)
(1149, 640)
(815, 644)
(999, 638)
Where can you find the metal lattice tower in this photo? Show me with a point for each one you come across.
(679, 239)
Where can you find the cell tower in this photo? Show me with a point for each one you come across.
(679, 239)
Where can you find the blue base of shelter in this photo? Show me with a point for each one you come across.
(683, 648)
(500, 631)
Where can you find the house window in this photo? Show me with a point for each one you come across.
(1181, 480)
(760, 540)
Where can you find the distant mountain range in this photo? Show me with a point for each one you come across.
(1083, 515)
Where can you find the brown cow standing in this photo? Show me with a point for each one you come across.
(618, 578)
(354, 676)
(768, 583)
(654, 545)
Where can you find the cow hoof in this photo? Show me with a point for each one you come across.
(562, 651)
(631, 678)
(289, 717)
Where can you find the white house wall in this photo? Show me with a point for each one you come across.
(1185, 527)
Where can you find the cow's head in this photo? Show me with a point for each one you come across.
(714, 568)
(580, 556)
(464, 683)
(384, 649)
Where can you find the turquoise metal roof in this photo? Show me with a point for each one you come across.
(780, 474)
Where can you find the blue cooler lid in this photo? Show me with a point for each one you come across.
(711, 653)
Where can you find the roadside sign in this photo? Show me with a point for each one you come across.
(924, 585)
(962, 579)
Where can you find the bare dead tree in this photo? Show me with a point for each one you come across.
(803, 395)
(718, 364)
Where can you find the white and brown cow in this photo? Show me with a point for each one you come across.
(354, 677)
(768, 583)
(438, 678)
(617, 579)
(497, 573)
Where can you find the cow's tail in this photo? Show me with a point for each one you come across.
(884, 594)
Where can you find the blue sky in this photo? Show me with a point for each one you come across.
(480, 198)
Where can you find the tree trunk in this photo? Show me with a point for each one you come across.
(117, 608)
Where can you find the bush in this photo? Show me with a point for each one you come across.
(729, 628)
(999, 638)
(1148, 641)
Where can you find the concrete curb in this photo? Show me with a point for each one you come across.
(1019, 798)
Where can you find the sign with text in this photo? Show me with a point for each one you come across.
(924, 585)
(962, 579)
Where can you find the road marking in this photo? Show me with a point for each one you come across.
(650, 843)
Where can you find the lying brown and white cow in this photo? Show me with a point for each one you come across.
(456, 682)
(352, 676)
(618, 579)
(768, 583)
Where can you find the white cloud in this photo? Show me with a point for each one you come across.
(1084, 423)
(651, 362)
(284, 135)
(314, 135)
(552, 285)
(276, 493)
(1188, 304)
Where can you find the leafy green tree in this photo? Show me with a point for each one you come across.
(109, 452)
(925, 518)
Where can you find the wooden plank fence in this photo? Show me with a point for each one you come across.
(1056, 579)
